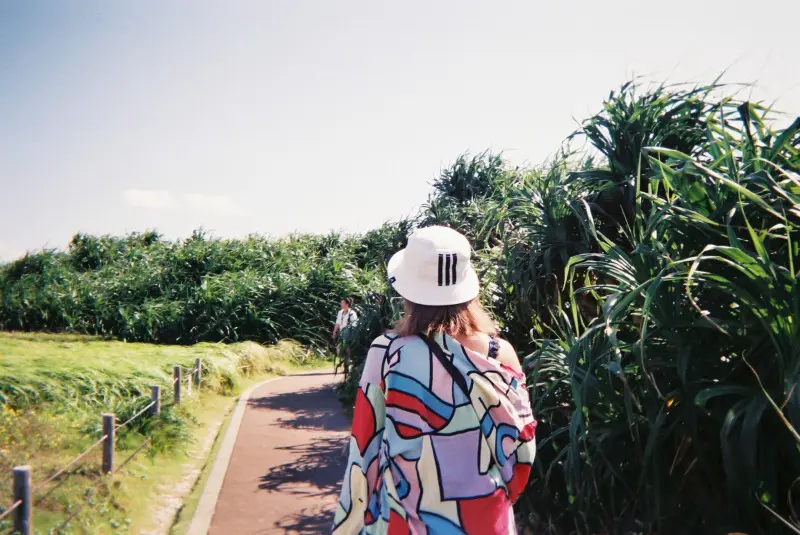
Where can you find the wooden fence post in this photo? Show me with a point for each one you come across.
(196, 372)
(108, 446)
(176, 378)
(155, 410)
(23, 516)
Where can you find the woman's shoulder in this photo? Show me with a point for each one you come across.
(478, 342)
(390, 342)
(383, 340)
(391, 338)
(493, 347)
(507, 355)
(382, 349)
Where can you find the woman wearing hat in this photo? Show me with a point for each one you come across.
(443, 435)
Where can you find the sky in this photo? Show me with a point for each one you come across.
(275, 116)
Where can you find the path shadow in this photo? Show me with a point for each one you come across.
(307, 521)
(315, 471)
(316, 468)
(310, 408)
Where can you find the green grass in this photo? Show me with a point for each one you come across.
(56, 387)
(87, 371)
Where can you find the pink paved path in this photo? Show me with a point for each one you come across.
(288, 461)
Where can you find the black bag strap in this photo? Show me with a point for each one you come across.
(437, 350)
(458, 377)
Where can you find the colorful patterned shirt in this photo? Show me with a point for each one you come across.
(424, 458)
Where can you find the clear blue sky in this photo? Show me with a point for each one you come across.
(274, 116)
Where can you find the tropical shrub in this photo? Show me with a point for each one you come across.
(202, 289)
(682, 399)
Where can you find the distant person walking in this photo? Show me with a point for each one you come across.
(443, 435)
(346, 319)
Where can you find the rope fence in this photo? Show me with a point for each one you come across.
(93, 491)
(144, 443)
(24, 492)
(11, 509)
(132, 418)
(69, 465)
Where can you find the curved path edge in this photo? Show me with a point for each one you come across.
(208, 500)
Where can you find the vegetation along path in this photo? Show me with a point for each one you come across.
(285, 471)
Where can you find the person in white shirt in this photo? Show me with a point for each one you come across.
(346, 319)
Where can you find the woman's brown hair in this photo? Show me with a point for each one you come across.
(464, 319)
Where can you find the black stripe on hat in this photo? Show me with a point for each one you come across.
(440, 269)
(455, 263)
(447, 270)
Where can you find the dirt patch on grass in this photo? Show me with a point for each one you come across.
(172, 497)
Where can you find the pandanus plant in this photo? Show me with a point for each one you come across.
(683, 411)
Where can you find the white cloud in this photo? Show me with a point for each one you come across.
(212, 204)
(203, 203)
(152, 199)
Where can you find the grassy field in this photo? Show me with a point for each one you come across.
(54, 389)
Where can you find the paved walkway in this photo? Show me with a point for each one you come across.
(286, 467)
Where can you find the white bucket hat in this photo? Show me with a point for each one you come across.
(434, 269)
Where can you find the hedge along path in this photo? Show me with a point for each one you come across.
(285, 470)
